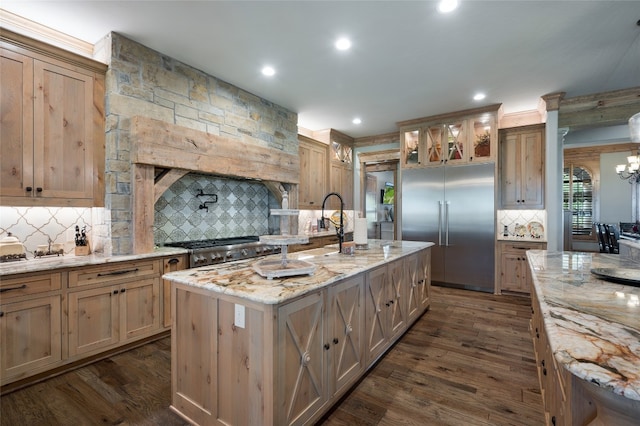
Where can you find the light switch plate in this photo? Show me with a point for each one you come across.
(239, 316)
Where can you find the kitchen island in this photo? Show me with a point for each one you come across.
(586, 334)
(251, 350)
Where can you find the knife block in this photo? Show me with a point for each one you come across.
(82, 250)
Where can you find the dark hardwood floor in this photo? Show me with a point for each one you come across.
(467, 361)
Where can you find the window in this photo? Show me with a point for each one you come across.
(577, 192)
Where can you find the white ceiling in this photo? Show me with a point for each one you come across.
(407, 60)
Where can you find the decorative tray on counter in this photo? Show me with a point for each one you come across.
(619, 275)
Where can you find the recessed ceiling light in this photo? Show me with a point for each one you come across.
(446, 6)
(479, 96)
(356, 121)
(343, 43)
(268, 71)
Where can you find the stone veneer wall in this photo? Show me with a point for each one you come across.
(142, 81)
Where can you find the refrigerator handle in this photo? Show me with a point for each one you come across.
(446, 218)
(440, 223)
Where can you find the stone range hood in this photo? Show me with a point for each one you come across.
(175, 151)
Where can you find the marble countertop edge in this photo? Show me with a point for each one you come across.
(238, 278)
(593, 332)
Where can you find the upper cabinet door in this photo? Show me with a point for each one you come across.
(63, 132)
(521, 168)
(455, 135)
(450, 139)
(52, 133)
(16, 116)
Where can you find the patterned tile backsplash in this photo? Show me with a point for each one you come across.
(242, 209)
(35, 226)
(236, 208)
(512, 218)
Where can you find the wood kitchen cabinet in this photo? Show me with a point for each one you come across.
(322, 348)
(113, 304)
(51, 320)
(418, 282)
(30, 325)
(346, 333)
(170, 264)
(52, 103)
(565, 401)
(456, 138)
(521, 165)
(287, 363)
(303, 360)
(314, 173)
(385, 307)
(340, 163)
(514, 269)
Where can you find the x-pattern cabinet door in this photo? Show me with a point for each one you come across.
(376, 312)
(346, 304)
(413, 289)
(396, 304)
(424, 278)
(302, 362)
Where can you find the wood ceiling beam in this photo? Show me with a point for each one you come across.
(599, 109)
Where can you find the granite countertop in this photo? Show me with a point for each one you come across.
(239, 279)
(49, 263)
(593, 325)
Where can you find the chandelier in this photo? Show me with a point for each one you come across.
(631, 171)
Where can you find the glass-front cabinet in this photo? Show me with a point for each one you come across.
(341, 152)
(457, 140)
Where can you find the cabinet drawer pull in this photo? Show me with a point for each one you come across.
(1, 314)
(173, 260)
(125, 271)
(522, 248)
(29, 189)
(115, 291)
(123, 290)
(38, 189)
(19, 287)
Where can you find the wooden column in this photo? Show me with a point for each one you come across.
(143, 213)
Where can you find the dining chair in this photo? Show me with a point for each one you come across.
(603, 241)
(614, 235)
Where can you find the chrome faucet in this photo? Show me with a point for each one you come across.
(340, 228)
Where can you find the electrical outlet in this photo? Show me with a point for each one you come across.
(239, 316)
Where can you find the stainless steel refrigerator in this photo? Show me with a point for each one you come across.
(453, 207)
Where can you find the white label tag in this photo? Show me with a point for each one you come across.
(239, 316)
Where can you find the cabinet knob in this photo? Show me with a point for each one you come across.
(326, 346)
(335, 340)
(1, 314)
(29, 189)
(123, 290)
(115, 291)
(38, 189)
